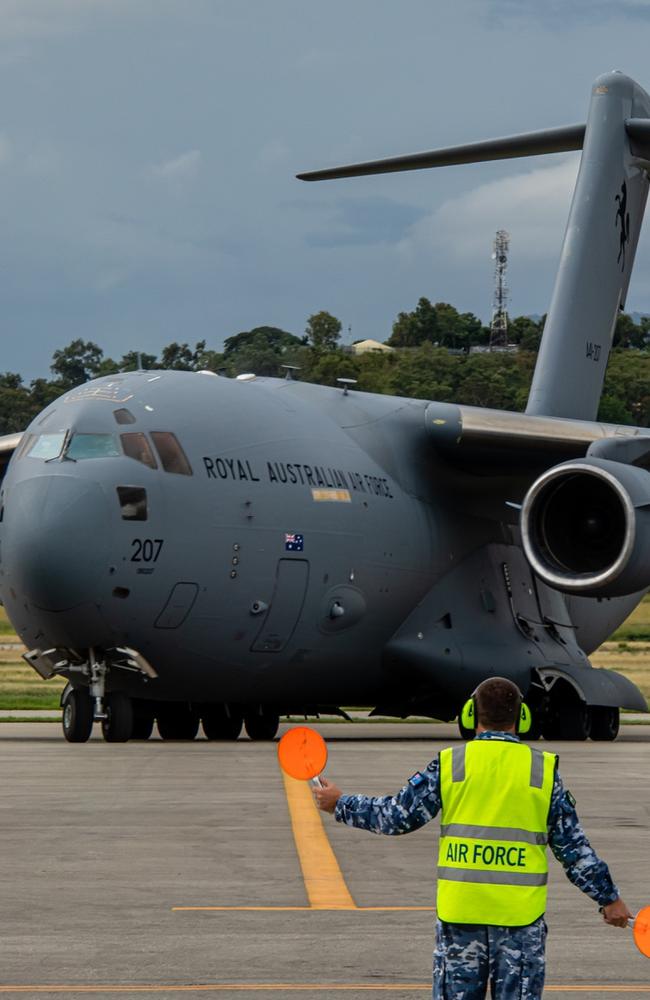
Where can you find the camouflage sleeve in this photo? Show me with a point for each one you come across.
(570, 846)
(411, 808)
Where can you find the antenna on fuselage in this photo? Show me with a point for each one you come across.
(290, 369)
(346, 383)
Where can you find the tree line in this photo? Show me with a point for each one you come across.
(432, 360)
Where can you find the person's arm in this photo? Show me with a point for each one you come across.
(413, 806)
(581, 864)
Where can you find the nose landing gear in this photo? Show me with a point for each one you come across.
(117, 718)
(143, 719)
(117, 724)
(89, 701)
(77, 716)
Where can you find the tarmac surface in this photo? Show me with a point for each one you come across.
(102, 844)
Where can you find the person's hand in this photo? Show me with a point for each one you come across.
(327, 796)
(617, 913)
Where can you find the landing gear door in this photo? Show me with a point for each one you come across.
(286, 605)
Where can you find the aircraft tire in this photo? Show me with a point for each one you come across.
(143, 720)
(77, 718)
(177, 722)
(535, 731)
(262, 725)
(551, 729)
(575, 721)
(219, 724)
(605, 722)
(117, 727)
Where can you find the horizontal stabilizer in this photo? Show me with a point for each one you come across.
(638, 129)
(550, 140)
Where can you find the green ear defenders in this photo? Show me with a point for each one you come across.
(468, 716)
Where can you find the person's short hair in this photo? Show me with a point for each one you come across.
(498, 702)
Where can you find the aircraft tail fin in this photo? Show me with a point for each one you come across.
(598, 252)
(600, 240)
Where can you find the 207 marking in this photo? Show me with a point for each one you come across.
(146, 549)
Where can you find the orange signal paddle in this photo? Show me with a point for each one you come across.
(302, 753)
(641, 926)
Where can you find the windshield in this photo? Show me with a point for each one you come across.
(47, 446)
(92, 446)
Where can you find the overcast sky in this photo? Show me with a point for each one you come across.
(148, 151)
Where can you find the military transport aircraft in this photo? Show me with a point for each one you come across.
(184, 547)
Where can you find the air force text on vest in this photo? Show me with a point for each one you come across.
(487, 854)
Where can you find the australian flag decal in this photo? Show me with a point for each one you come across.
(294, 543)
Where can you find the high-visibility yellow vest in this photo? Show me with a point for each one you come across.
(492, 864)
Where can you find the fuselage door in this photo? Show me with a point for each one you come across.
(286, 605)
(178, 606)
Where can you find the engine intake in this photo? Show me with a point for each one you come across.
(586, 527)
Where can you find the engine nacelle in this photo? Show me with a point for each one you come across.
(586, 527)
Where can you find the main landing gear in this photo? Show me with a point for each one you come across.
(123, 718)
(262, 724)
(605, 722)
(221, 722)
(564, 716)
(177, 722)
(570, 720)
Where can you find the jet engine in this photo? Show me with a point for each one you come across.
(586, 527)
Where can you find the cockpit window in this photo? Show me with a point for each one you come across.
(124, 416)
(91, 446)
(136, 446)
(133, 501)
(47, 446)
(24, 445)
(171, 454)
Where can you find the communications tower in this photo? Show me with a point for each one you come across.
(499, 324)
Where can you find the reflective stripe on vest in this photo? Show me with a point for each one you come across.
(492, 866)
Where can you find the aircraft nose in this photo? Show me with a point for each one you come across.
(56, 540)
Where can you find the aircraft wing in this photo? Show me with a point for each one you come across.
(472, 435)
(8, 444)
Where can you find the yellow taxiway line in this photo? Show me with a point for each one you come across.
(286, 988)
(302, 909)
(326, 890)
(324, 882)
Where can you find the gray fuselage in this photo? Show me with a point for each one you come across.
(312, 524)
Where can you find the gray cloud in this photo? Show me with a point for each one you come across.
(557, 14)
(364, 222)
(179, 169)
(148, 151)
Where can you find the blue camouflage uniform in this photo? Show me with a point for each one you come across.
(468, 956)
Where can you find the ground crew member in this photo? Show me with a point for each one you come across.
(502, 802)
